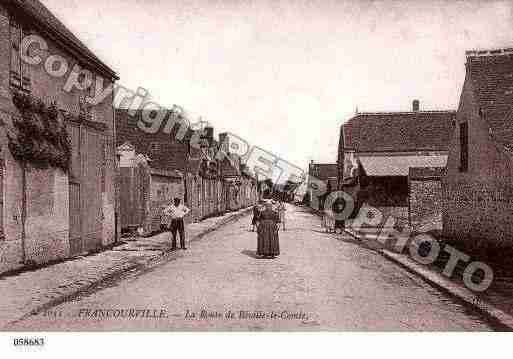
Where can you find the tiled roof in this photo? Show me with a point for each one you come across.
(323, 171)
(164, 150)
(44, 17)
(399, 131)
(492, 83)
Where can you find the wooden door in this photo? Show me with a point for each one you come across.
(75, 230)
(75, 208)
(85, 190)
(91, 189)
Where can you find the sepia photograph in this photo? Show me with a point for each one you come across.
(210, 166)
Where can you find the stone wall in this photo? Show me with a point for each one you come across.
(425, 203)
(478, 202)
(479, 212)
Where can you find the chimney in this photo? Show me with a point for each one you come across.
(209, 135)
(415, 105)
(224, 142)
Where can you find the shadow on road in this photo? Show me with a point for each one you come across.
(253, 254)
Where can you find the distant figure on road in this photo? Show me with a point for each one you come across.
(257, 209)
(281, 211)
(328, 221)
(268, 244)
(338, 209)
(176, 213)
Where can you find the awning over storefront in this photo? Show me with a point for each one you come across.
(381, 166)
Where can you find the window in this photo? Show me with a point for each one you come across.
(463, 147)
(154, 147)
(86, 109)
(20, 71)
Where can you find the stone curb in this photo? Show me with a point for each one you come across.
(114, 272)
(499, 317)
(446, 285)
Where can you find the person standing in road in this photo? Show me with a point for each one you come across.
(176, 213)
(338, 208)
(268, 241)
(328, 221)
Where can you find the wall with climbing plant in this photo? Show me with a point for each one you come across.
(40, 139)
(34, 146)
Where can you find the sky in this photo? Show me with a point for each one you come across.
(284, 74)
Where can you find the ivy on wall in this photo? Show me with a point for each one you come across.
(41, 139)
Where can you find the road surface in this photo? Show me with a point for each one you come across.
(320, 282)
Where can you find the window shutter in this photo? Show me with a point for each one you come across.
(26, 83)
(15, 53)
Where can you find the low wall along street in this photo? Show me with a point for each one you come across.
(490, 206)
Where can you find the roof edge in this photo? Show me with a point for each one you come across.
(381, 113)
(70, 45)
(393, 113)
(489, 52)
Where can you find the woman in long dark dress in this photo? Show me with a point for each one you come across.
(268, 244)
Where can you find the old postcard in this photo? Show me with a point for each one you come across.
(243, 165)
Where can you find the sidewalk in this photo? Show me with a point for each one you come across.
(34, 291)
(495, 302)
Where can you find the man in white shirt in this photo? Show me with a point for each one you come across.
(176, 212)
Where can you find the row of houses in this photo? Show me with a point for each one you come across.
(157, 167)
(62, 190)
(450, 169)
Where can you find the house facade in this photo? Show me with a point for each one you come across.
(378, 149)
(164, 151)
(211, 186)
(478, 185)
(325, 173)
(240, 187)
(58, 196)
